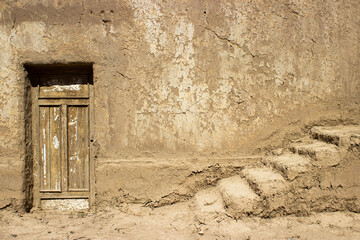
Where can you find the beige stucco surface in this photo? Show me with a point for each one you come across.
(187, 78)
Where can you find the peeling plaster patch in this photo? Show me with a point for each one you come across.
(6, 55)
(185, 115)
(238, 23)
(29, 36)
(148, 13)
(9, 102)
(182, 74)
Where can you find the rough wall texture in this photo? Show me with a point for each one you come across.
(189, 76)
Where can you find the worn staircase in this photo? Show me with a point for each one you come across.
(287, 181)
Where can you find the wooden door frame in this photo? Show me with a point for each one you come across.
(35, 70)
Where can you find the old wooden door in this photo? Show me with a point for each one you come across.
(64, 146)
(62, 113)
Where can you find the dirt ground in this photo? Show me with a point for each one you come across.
(178, 221)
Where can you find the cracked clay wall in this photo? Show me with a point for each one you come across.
(179, 77)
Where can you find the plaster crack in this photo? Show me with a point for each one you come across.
(224, 38)
(123, 75)
(297, 13)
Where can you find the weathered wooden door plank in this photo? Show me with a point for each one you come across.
(78, 150)
(55, 150)
(64, 148)
(44, 149)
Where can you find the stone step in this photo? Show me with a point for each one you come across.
(290, 165)
(238, 196)
(265, 180)
(325, 155)
(341, 135)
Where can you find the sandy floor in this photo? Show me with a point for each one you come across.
(173, 222)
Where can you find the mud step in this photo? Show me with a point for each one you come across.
(238, 196)
(323, 153)
(290, 165)
(265, 180)
(338, 135)
(209, 201)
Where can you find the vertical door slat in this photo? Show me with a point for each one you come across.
(44, 149)
(55, 147)
(64, 148)
(78, 151)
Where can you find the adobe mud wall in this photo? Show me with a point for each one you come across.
(177, 80)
